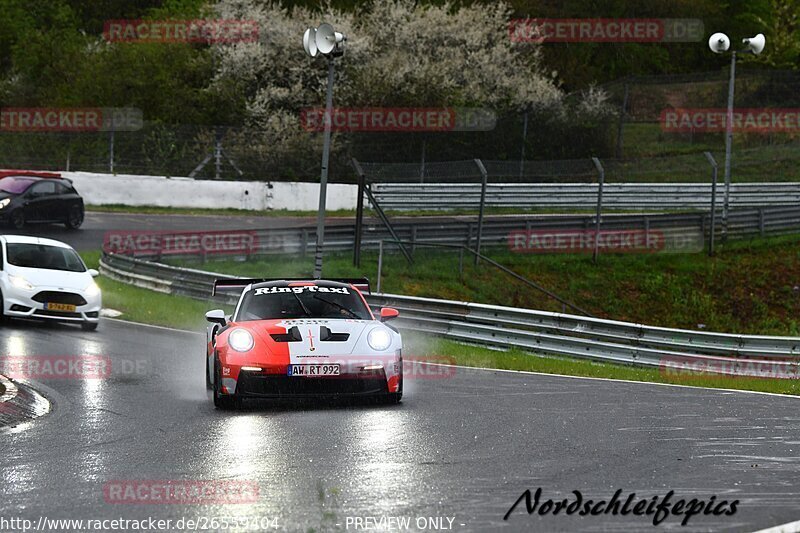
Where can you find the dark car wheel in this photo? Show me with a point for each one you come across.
(17, 219)
(75, 217)
(225, 402)
(89, 326)
(209, 386)
(2, 307)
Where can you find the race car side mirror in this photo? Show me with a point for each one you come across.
(388, 313)
(216, 316)
(94, 273)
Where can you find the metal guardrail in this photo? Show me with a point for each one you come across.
(628, 196)
(741, 223)
(536, 331)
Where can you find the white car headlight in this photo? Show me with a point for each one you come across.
(20, 282)
(379, 339)
(92, 289)
(4, 202)
(240, 340)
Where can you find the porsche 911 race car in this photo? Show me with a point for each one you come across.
(301, 338)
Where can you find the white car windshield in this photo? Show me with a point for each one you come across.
(271, 303)
(44, 256)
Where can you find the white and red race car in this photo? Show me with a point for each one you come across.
(301, 338)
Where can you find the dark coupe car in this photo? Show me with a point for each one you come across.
(30, 197)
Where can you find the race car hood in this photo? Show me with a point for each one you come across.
(319, 337)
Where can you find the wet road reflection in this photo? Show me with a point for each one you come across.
(463, 447)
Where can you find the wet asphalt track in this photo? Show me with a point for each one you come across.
(464, 446)
(96, 224)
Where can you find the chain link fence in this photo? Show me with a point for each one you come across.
(632, 137)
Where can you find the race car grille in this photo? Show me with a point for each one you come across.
(325, 334)
(276, 386)
(293, 335)
(58, 297)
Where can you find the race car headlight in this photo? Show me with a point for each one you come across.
(240, 340)
(92, 289)
(4, 202)
(379, 339)
(20, 282)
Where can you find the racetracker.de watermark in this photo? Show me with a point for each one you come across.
(172, 243)
(70, 119)
(181, 31)
(724, 367)
(575, 241)
(408, 119)
(605, 30)
(752, 120)
(180, 491)
(47, 367)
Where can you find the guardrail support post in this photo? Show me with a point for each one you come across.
(359, 213)
(761, 221)
(601, 177)
(380, 265)
(461, 265)
(714, 169)
(304, 243)
(484, 179)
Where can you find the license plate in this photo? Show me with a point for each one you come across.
(313, 370)
(60, 307)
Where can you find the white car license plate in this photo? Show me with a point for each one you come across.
(50, 306)
(313, 370)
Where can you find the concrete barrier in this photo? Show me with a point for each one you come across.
(135, 190)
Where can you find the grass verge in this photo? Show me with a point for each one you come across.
(515, 359)
(750, 286)
(149, 307)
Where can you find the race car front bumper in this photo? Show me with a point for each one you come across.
(259, 385)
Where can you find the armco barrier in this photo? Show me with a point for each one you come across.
(628, 196)
(741, 223)
(537, 331)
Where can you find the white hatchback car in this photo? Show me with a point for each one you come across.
(47, 279)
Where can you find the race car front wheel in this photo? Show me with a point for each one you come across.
(223, 401)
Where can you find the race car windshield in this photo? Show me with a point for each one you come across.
(14, 185)
(43, 256)
(272, 303)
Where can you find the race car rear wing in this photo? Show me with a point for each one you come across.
(362, 284)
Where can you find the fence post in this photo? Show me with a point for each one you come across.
(761, 221)
(484, 179)
(380, 264)
(601, 177)
(422, 163)
(621, 123)
(714, 168)
(524, 141)
(111, 151)
(359, 212)
(413, 239)
(461, 264)
(218, 154)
